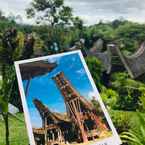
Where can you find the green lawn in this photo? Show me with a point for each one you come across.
(18, 133)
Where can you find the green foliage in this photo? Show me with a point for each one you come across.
(13, 46)
(121, 120)
(54, 12)
(124, 93)
(142, 103)
(128, 90)
(109, 97)
(136, 137)
(127, 34)
(7, 49)
(8, 44)
(6, 89)
(95, 68)
(104, 30)
(78, 23)
(38, 45)
(142, 100)
(131, 35)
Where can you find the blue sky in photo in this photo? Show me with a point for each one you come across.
(44, 88)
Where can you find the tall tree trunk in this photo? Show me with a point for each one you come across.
(6, 121)
(5, 114)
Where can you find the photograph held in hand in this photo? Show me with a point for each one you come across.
(61, 102)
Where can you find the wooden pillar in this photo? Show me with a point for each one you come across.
(80, 124)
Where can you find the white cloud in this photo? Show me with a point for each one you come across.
(92, 95)
(16, 7)
(93, 11)
(54, 60)
(80, 72)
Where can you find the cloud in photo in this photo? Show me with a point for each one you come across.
(91, 95)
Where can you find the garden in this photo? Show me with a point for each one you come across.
(58, 30)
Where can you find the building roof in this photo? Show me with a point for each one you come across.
(34, 69)
(44, 110)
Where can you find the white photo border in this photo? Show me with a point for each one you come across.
(113, 140)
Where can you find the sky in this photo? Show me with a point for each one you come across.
(45, 89)
(91, 11)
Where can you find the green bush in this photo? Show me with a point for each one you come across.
(142, 100)
(129, 91)
(95, 68)
(109, 97)
(136, 136)
(121, 120)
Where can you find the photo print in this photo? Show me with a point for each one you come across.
(61, 102)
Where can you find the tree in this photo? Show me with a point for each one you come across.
(131, 35)
(1, 14)
(11, 48)
(116, 23)
(78, 23)
(2, 17)
(51, 11)
(8, 46)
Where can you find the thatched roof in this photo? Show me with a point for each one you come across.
(44, 110)
(34, 69)
(61, 116)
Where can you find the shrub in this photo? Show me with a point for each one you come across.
(128, 89)
(95, 68)
(142, 100)
(121, 120)
(136, 137)
(109, 97)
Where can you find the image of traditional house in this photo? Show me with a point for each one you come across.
(80, 124)
(79, 121)
(55, 126)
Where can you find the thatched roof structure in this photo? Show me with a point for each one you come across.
(45, 112)
(34, 69)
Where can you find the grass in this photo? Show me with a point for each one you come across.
(18, 133)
